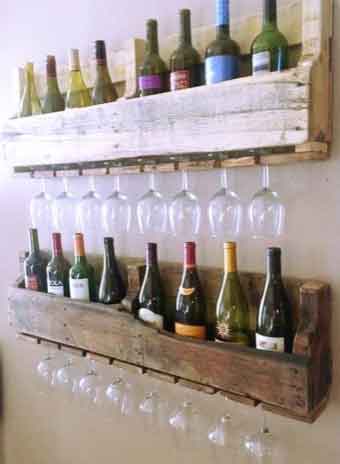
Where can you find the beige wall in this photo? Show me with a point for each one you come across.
(37, 430)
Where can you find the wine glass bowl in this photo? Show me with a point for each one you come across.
(152, 211)
(64, 215)
(116, 213)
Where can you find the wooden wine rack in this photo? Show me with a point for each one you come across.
(296, 385)
(272, 119)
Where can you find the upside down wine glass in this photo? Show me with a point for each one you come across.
(64, 215)
(41, 212)
(116, 212)
(266, 211)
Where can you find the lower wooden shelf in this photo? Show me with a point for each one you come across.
(296, 385)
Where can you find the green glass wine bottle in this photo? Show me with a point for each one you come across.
(78, 95)
(270, 48)
(222, 57)
(274, 320)
(191, 311)
(53, 101)
(35, 265)
(82, 280)
(58, 269)
(232, 313)
(103, 90)
(153, 72)
(185, 61)
(30, 103)
(151, 295)
(112, 289)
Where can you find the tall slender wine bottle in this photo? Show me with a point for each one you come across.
(112, 289)
(274, 320)
(82, 282)
(30, 103)
(103, 90)
(53, 100)
(270, 48)
(58, 269)
(151, 295)
(191, 312)
(78, 95)
(185, 61)
(35, 265)
(152, 75)
(222, 58)
(232, 313)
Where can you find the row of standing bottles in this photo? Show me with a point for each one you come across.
(189, 317)
(269, 52)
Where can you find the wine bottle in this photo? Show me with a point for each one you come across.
(185, 61)
(30, 104)
(53, 100)
(222, 57)
(35, 265)
(152, 75)
(270, 48)
(274, 319)
(103, 90)
(58, 269)
(78, 95)
(112, 289)
(151, 295)
(191, 314)
(82, 283)
(232, 313)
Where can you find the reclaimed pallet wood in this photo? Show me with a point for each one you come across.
(269, 119)
(296, 385)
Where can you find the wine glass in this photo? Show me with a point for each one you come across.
(185, 212)
(154, 408)
(116, 212)
(41, 212)
(225, 211)
(87, 387)
(152, 211)
(67, 377)
(89, 217)
(187, 424)
(46, 369)
(64, 217)
(266, 211)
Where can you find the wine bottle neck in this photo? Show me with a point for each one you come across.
(109, 255)
(152, 38)
(185, 30)
(52, 84)
(79, 249)
(274, 266)
(57, 249)
(270, 14)
(230, 260)
(222, 14)
(190, 256)
(34, 241)
(151, 256)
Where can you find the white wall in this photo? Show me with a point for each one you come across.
(36, 429)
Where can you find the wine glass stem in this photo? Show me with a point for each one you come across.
(117, 184)
(92, 184)
(225, 178)
(185, 181)
(265, 428)
(66, 184)
(43, 186)
(152, 181)
(265, 177)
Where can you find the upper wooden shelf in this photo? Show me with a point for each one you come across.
(270, 119)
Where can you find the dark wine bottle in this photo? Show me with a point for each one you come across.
(151, 296)
(274, 320)
(232, 313)
(270, 48)
(185, 61)
(35, 265)
(112, 289)
(191, 313)
(82, 281)
(222, 57)
(58, 269)
(103, 90)
(152, 75)
(53, 100)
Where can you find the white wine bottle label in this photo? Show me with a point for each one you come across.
(270, 343)
(155, 320)
(79, 289)
(261, 63)
(55, 288)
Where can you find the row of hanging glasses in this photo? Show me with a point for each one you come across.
(120, 394)
(182, 216)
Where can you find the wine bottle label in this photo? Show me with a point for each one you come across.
(55, 288)
(261, 63)
(155, 320)
(150, 82)
(193, 331)
(186, 291)
(79, 289)
(270, 343)
(180, 80)
(221, 68)
(32, 283)
(224, 333)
